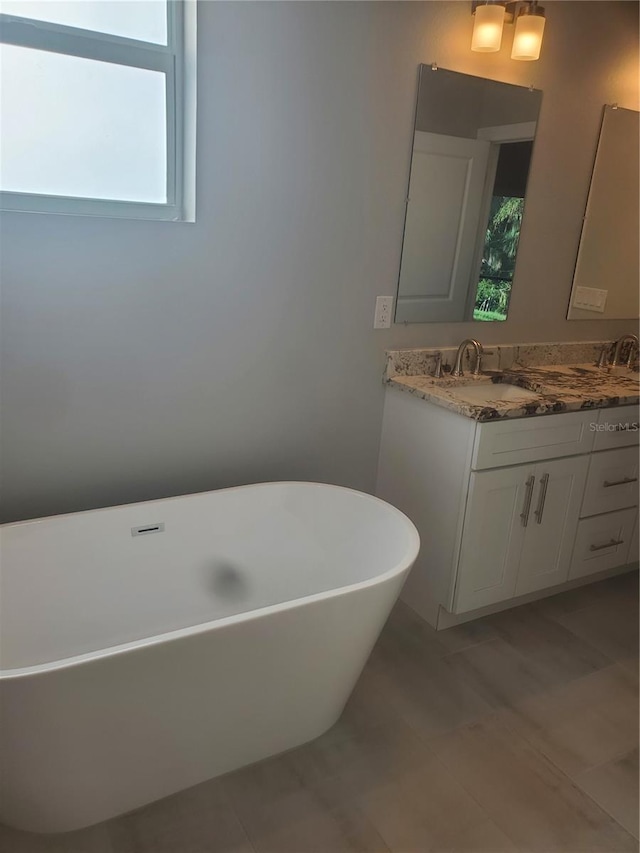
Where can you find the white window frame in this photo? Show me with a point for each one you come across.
(176, 60)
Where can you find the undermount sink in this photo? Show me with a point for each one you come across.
(491, 392)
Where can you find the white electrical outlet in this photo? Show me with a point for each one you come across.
(384, 307)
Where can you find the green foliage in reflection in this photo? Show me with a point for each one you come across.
(498, 260)
(501, 240)
(492, 300)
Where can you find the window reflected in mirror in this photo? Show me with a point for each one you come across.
(502, 234)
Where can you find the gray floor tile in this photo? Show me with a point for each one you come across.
(498, 673)
(411, 628)
(557, 652)
(591, 593)
(199, 820)
(423, 689)
(610, 626)
(282, 814)
(535, 804)
(428, 810)
(93, 840)
(614, 786)
(353, 760)
(585, 723)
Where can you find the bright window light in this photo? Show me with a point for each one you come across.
(91, 107)
(76, 127)
(145, 20)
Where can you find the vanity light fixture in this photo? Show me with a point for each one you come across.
(489, 17)
(527, 39)
(487, 27)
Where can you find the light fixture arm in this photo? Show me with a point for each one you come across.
(530, 7)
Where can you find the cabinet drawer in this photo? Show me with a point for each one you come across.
(513, 442)
(612, 482)
(602, 543)
(616, 427)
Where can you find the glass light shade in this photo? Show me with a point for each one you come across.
(527, 39)
(487, 28)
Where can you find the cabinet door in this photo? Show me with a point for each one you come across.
(548, 544)
(495, 521)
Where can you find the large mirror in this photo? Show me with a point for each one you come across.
(605, 283)
(472, 147)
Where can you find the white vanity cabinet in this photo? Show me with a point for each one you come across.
(510, 508)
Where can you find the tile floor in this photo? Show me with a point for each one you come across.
(518, 732)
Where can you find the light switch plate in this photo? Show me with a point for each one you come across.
(590, 299)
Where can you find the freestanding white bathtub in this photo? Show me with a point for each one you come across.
(148, 647)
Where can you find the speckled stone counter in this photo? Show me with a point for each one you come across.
(555, 378)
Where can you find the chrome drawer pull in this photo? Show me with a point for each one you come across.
(608, 483)
(609, 544)
(544, 482)
(524, 515)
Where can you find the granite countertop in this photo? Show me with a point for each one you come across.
(556, 388)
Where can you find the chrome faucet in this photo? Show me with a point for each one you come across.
(633, 344)
(457, 367)
(437, 369)
(603, 360)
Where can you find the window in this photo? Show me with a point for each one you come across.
(92, 107)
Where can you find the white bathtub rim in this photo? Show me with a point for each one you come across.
(171, 498)
(238, 618)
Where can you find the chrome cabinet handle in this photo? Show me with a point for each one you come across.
(608, 544)
(608, 483)
(524, 515)
(544, 482)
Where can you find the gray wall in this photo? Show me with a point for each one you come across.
(144, 359)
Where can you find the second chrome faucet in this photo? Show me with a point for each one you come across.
(632, 341)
